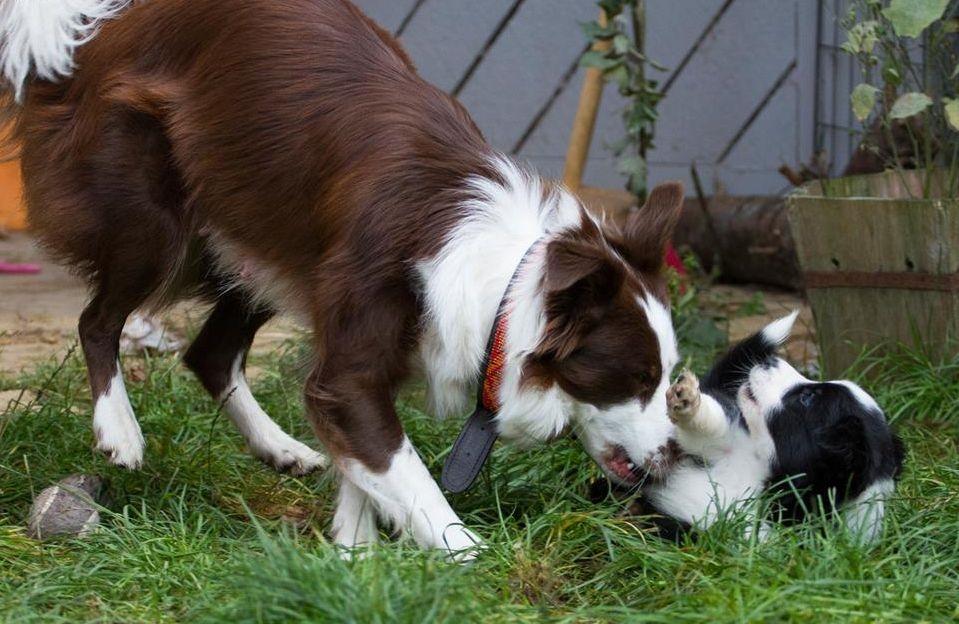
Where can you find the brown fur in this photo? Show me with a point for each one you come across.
(298, 131)
(593, 318)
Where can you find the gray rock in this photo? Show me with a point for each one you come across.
(68, 508)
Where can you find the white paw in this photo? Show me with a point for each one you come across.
(116, 427)
(354, 523)
(355, 536)
(462, 544)
(683, 398)
(121, 440)
(286, 455)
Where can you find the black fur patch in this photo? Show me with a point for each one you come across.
(829, 449)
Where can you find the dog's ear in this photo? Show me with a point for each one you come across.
(581, 276)
(648, 230)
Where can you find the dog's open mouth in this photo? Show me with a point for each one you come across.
(619, 464)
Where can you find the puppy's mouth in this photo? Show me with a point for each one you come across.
(623, 468)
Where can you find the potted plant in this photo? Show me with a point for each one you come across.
(880, 253)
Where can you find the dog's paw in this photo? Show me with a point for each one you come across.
(288, 456)
(683, 398)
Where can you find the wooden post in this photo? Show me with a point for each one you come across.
(585, 121)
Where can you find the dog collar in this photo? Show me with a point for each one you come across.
(475, 441)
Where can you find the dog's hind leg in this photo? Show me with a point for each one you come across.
(218, 357)
(118, 293)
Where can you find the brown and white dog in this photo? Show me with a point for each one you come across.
(284, 155)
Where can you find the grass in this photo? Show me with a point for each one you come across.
(205, 533)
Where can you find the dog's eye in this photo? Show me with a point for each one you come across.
(806, 397)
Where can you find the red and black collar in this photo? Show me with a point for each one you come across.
(475, 441)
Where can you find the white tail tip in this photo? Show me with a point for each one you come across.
(778, 331)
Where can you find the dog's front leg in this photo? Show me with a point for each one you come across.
(408, 495)
(700, 421)
(353, 414)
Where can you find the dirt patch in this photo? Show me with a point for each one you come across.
(38, 313)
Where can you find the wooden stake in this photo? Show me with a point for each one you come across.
(585, 121)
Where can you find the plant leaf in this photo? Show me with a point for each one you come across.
(593, 30)
(910, 17)
(909, 104)
(863, 100)
(951, 108)
(597, 59)
(862, 38)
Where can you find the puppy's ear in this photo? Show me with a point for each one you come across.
(580, 278)
(649, 229)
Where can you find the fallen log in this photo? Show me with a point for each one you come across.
(746, 238)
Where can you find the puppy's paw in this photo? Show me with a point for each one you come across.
(683, 398)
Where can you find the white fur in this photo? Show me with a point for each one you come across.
(264, 437)
(863, 515)
(410, 499)
(738, 462)
(641, 429)
(354, 523)
(709, 425)
(40, 36)
(259, 280)
(464, 284)
(778, 331)
(115, 425)
(860, 395)
(769, 384)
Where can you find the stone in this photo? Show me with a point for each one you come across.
(67, 508)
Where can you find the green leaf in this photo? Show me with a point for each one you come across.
(632, 166)
(863, 100)
(951, 108)
(910, 17)
(593, 31)
(619, 75)
(909, 104)
(955, 72)
(612, 7)
(862, 38)
(597, 59)
(621, 44)
(891, 76)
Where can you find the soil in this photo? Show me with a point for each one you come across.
(38, 313)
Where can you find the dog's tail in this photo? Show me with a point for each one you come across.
(733, 369)
(37, 41)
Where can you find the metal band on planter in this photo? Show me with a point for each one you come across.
(884, 279)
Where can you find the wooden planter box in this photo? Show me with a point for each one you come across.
(880, 264)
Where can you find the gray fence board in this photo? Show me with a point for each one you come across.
(446, 35)
(519, 73)
(388, 13)
(722, 102)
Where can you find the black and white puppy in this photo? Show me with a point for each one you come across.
(755, 424)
